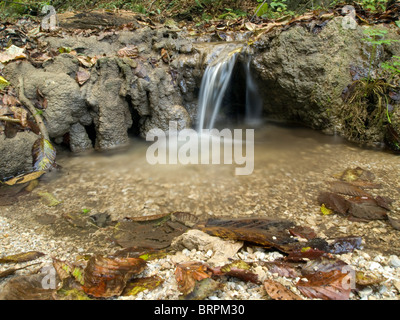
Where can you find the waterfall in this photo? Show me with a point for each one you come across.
(253, 99)
(215, 82)
(213, 87)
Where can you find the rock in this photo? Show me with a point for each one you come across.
(17, 154)
(302, 74)
(78, 138)
(110, 111)
(65, 103)
(195, 239)
(394, 261)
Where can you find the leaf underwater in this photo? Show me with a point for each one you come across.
(279, 292)
(22, 257)
(44, 154)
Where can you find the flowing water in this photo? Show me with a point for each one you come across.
(215, 82)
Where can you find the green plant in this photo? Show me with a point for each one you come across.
(374, 5)
(367, 103)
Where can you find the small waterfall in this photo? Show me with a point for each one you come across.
(213, 87)
(253, 99)
(215, 82)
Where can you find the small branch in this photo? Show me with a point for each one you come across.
(32, 109)
(7, 119)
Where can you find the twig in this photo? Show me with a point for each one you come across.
(32, 109)
(7, 119)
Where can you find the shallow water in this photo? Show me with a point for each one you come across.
(291, 167)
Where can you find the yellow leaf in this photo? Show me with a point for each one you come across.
(25, 178)
(3, 83)
(325, 211)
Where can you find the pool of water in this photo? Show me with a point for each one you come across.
(291, 167)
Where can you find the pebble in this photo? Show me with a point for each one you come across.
(394, 261)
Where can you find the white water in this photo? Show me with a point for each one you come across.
(253, 99)
(214, 84)
(212, 90)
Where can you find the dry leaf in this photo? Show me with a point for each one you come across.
(82, 76)
(130, 51)
(12, 53)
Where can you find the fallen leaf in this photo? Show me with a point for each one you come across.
(303, 232)
(22, 257)
(48, 199)
(202, 289)
(325, 211)
(24, 178)
(279, 292)
(3, 83)
(12, 53)
(332, 285)
(141, 284)
(367, 279)
(130, 51)
(345, 244)
(28, 287)
(187, 273)
(12, 271)
(351, 175)
(322, 264)
(44, 154)
(107, 277)
(71, 294)
(238, 269)
(347, 189)
(366, 208)
(265, 232)
(334, 202)
(82, 76)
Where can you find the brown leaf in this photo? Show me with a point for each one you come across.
(22, 257)
(130, 51)
(266, 232)
(188, 273)
(332, 285)
(278, 292)
(238, 269)
(140, 284)
(303, 232)
(322, 264)
(82, 76)
(283, 269)
(28, 287)
(366, 208)
(347, 189)
(107, 277)
(334, 202)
